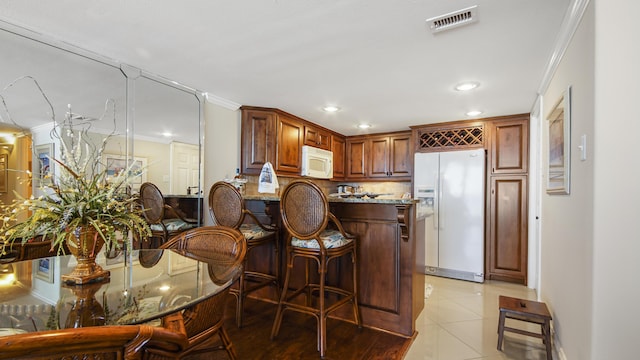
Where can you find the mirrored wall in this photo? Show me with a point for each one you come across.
(153, 121)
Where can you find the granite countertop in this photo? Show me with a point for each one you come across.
(333, 199)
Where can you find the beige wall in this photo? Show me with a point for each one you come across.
(589, 240)
(221, 147)
(616, 214)
(567, 220)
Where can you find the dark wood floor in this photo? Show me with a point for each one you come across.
(297, 337)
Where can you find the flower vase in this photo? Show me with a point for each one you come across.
(86, 310)
(84, 244)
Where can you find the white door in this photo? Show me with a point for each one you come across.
(184, 170)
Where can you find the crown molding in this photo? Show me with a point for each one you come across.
(570, 23)
(221, 101)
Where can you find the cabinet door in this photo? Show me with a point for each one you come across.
(390, 157)
(317, 137)
(379, 150)
(338, 147)
(400, 156)
(258, 140)
(507, 245)
(289, 145)
(509, 147)
(356, 158)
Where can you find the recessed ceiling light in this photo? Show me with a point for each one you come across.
(364, 126)
(330, 108)
(474, 113)
(167, 134)
(466, 86)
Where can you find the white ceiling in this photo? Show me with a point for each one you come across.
(375, 59)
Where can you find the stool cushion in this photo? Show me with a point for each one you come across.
(330, 238)
(172, 225)
(253, 231)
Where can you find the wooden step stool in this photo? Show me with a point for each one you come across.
(525, 310)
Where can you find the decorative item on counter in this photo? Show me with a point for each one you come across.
(268, 181)
(239, 182)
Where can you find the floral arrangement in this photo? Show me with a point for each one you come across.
(81, 195)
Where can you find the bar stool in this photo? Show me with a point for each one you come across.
(305, 214)
(227, 208)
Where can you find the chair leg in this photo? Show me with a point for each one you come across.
(241, 296)
(226, 342)
(283, 296)
(501, 330)
(356, 307)
(322, 318)
(546, 337)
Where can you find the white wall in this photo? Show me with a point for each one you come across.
(567, 220)
(616, 220)
(221, 147)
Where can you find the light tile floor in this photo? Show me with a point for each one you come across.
(460, 321)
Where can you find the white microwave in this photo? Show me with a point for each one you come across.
(317, 163)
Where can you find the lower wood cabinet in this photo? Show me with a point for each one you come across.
(391, 286)
(391, 292)
(506, 253)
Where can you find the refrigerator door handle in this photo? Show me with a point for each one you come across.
(441, 218)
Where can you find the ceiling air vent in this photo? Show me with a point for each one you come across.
(453, 19)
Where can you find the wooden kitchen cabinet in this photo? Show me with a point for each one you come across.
(273, 135)
(339, 149)
(378, 157)
(258, 140)
(507, 229)
(387, 255)
(316, 137)
(390, 156)
(507, 208)
(509, 146)
(289, 145)
(356, 160)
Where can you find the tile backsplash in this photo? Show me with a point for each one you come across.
(395, 189)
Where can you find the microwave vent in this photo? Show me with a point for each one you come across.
(453, 19)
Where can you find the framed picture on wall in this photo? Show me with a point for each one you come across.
(559, 165)
(43, 169)
(44, 269)
(117, 163)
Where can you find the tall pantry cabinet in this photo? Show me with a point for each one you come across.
(507, 215)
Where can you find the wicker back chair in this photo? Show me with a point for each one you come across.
(227, 208)
(306, 216)
(205, 319)
(164, 220)
(129, 342)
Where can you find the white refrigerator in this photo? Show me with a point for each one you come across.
(450, 189)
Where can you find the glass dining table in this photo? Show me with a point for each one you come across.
(143, 286)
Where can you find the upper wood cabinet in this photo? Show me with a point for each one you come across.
(509, 146)
(258, 140)
(317, 137)
(276, 136)
(289, 145)
(381, 156)
(356, 158)
(339, 149)
(390, 156)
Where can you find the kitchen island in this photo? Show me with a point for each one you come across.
(390, 247)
